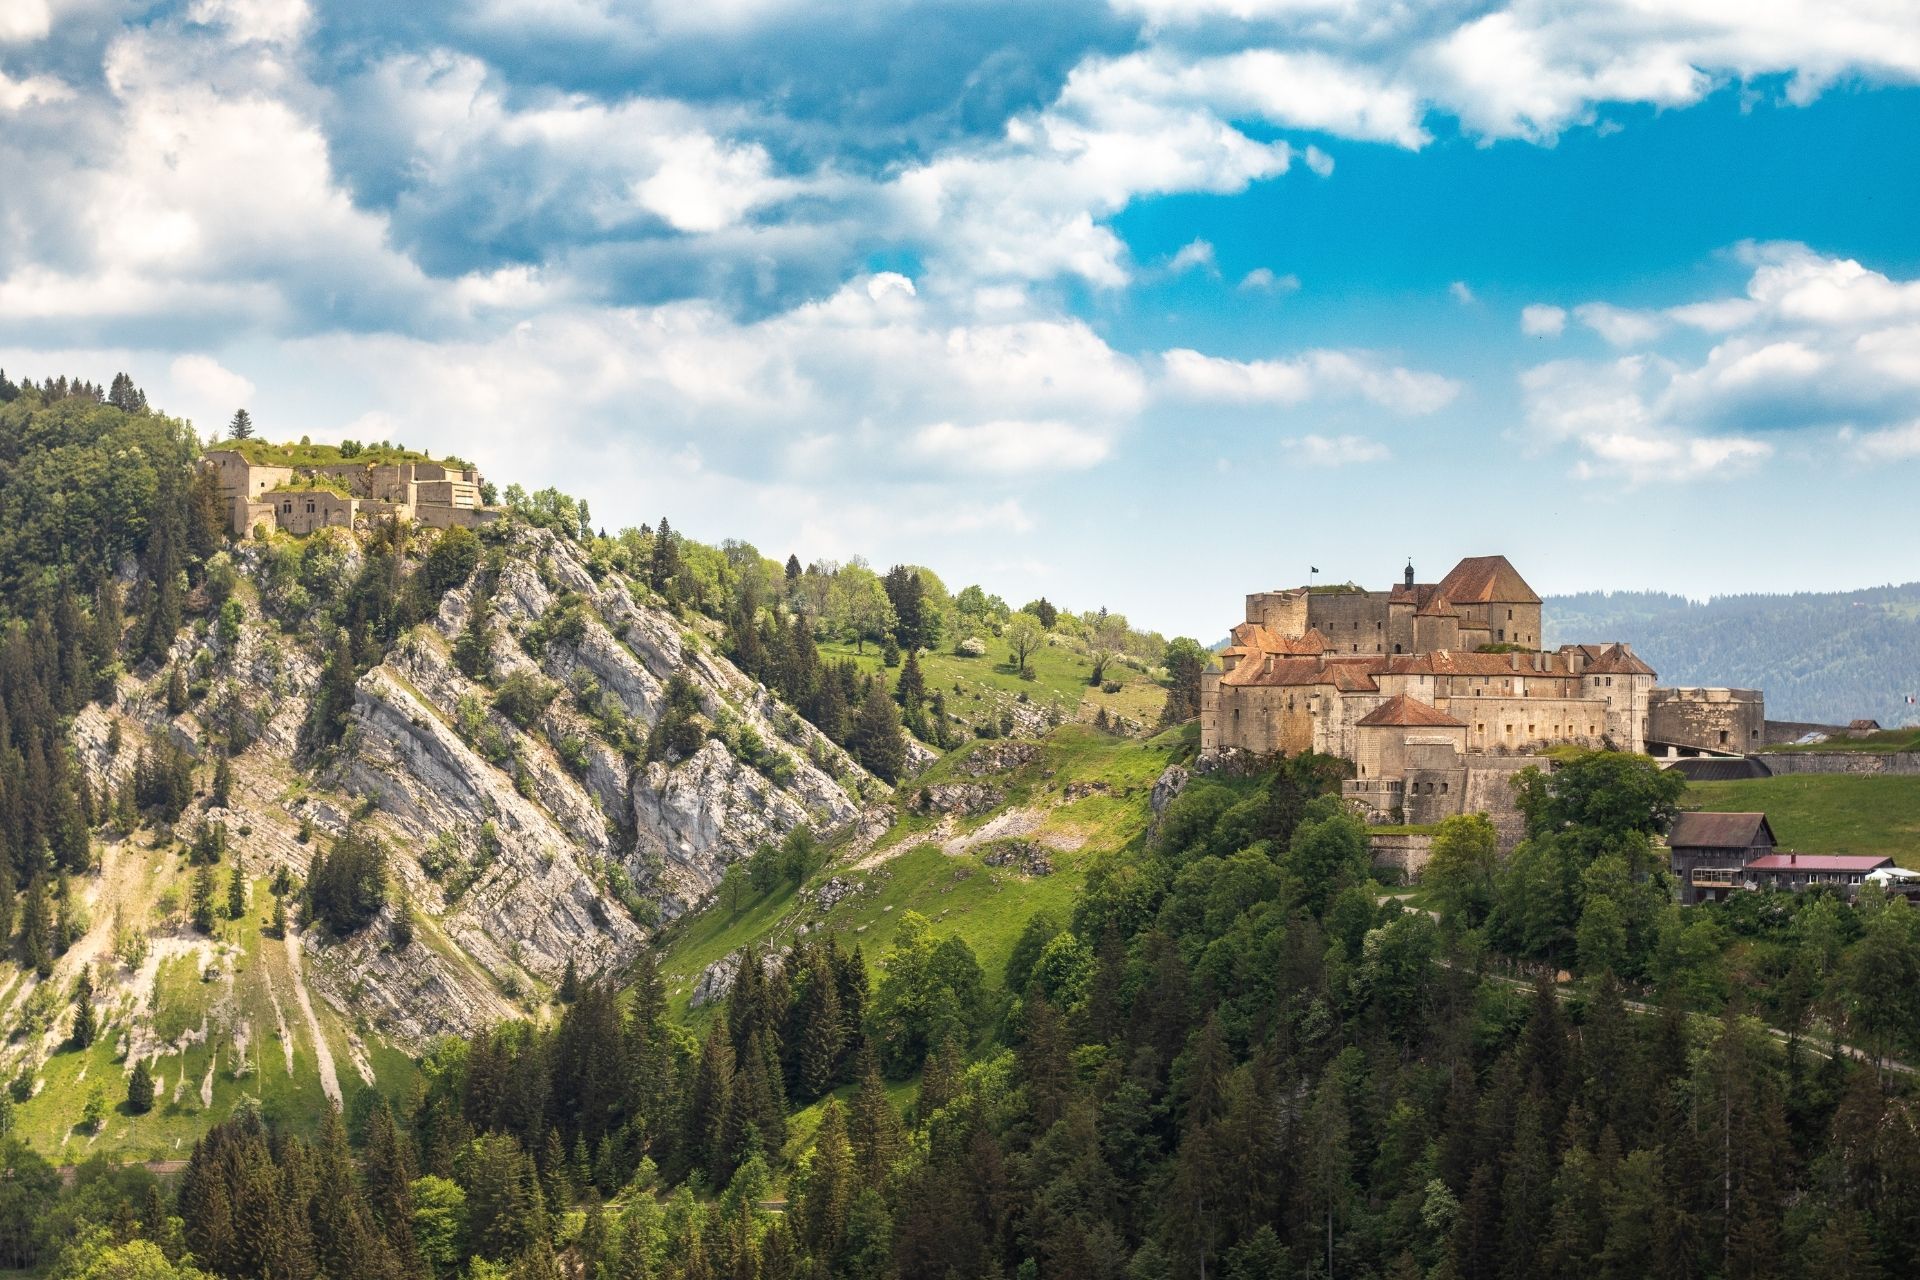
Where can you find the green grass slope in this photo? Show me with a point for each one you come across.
(1827, 812)
(981, 690)
(219, 1020)
(1083, 796)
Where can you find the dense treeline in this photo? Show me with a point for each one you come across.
(1234, 1059)
(1827, 657)
(106, 533)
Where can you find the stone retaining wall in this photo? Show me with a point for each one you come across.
(1840, 761)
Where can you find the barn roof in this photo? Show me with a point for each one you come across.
(1718, 831)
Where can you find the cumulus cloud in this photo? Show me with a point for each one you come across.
(1531, 69)
(1314, 374)
(1542, 321)
(1263, 280)
(1815, 343)
(30, 91)
(1195, 255)
(207, 388)
(1334, 451)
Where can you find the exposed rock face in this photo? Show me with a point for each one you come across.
(510, 842)
(1172, 781)
(716, 980)
(968, 799)
(1025, 856)
(998, 757)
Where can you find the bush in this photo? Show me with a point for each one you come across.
(523, 697)
(971, 647)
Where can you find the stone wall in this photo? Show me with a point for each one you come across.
(1404, 853)
(1352, 621)
(1730, 720)
(1900, 762)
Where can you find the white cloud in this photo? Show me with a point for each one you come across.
(15, 95)
(1894, 444)
(1010, 447)
(1620, 326)
(1606, 412)
(24, 20)
(1311, 375)
(208, 390)
(1195, 254)
(1815, 343)
(1541, 321)
(1319, 161)
(1461, 293)
(1334, 451)
(268, 21)
(1263, 280)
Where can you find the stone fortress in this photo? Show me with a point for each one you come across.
(300, 499)
(1439, 692)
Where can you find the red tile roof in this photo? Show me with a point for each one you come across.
(1486, 579)
(1818, 862)
(1405, 711)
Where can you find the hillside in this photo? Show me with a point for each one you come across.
(535, 746)
(1824, 657)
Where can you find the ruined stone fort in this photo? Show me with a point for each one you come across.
(300, 499)
(1439, 692)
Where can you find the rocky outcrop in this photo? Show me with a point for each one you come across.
(1027, 857)
(519, 848)
(966, 799)
(998, 757)
(1172, 781)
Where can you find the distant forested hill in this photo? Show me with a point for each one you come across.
(1828, 656)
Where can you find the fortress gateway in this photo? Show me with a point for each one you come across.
(1439, 692)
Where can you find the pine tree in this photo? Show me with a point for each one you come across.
(36, 928)
(387, 1171)
(204, 890)
(140, 1089)
(911, 693)
(222, 796)
(793, 567)
(335, 702)
(83, 1017)
(665, 567)
(874, 1128)
(821, 1214)
(875, 739)
(237, 889)
(176, 691)
(240, 427)
(473, 648)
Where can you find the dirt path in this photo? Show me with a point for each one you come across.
(322, 1055)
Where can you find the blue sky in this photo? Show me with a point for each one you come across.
(1135, 303)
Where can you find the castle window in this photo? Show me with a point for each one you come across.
(1480, 728)
(1529, 731)
(1443, 788)
(309, 508)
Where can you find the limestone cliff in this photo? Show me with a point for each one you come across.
(520, 846)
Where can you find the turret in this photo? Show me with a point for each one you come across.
(1409, 572)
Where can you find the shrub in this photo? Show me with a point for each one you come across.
(971, 647)
(523, 697)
